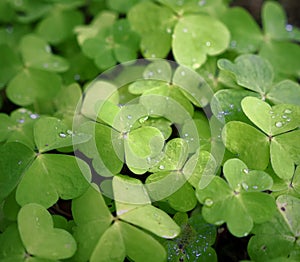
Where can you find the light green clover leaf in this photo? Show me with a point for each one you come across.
(238, 200)
(40, 238)
(112, 242)
(277, 142)
(194, 39)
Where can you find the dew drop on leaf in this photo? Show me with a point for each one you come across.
(287, 111)
(185, 30)
(169, 30)
(255, 187)
(246, 170)
(245, 186)
(289, 28)
(21, 120)
(77, 77)
(69, 132)
(62, 135)
(182, 73)
(208, 43)
(34, 116)
(20, 162)
(208, 202)
(202, 3)
(161, 167)
(129, 117)
(233, 44)
(278, 124)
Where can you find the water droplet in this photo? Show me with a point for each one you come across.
(69, 132)
(202, 3)
(255, 187)
(46, 65)
(159, 70)
(184, 30)
(21, 120)
(129, 117)
(233, 44)
(273, 117)
(287, 111)
(278, 124)
(9, 29)
(169, 30)
(77, 77)
(245, 186)
(62, 135)
(231, 106)
(22, 110)
(161, 167)
(271, 112)
(36, 219)
(246, 170)
(208, 43)
(34, 116)
(153, 55)
(208, 202)
(196, 65)
(150, 73)
(20, 162)
(288, 120)
(186, 134)
(289, 28)
(182, 73)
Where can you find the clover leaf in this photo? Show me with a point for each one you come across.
(154, 24)
(14, 159)
(119, 239)
(238, 199)
(247, 40)
(117, 43)
(59, 25)
(255, 73)
(194, 241)
(40, 238)
(277, 142)
(277, 238)
(193, 41)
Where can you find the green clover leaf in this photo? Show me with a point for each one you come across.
(194, 39)
(14, 159)
(277, 141)
(239, 199)
(40, 238)
(247, 40)
(114, 242)
(277, 238)
(194, 241)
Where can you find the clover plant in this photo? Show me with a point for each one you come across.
(159, 130)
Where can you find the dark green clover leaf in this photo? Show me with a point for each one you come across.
(289, 63)
(59, 25)
(238, 200)
(194, 242)
(154, 23)
(117, 43)
(226, 103)
(11, 246)
(10, 64)
(111, 242)
(278, 141)
(18, 127)
(14, 159)
(196, 36)
(40, 238)
(278, 238)
(247, 40)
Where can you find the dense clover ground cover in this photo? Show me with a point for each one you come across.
(148, 130)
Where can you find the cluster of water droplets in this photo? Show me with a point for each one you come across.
(26, 114)
(283, 118)
(68, 133)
